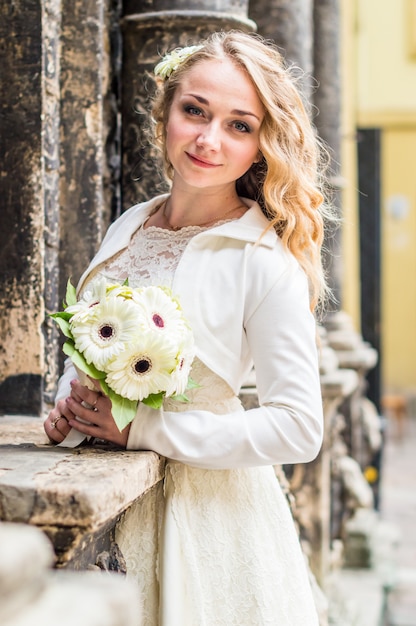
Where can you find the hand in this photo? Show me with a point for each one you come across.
(94, 407)
(56, 425)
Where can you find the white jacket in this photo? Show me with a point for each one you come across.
(246, 299)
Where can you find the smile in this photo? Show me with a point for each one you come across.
(201, 162)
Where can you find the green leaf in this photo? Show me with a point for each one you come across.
(76, 357)
(123, 410)
(155, 400)
(61, 314)
(181, 398)
(192, 384)
(63, 325)
(71, 294)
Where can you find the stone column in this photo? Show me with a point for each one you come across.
(146, 36)
(289, 23)
(328, 105)
(28, 188)
(86, 73)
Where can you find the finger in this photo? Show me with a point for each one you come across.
(85, 428)
(85, 413)
(97, 384)
(83, 394)
(50, 428)
(62, 425)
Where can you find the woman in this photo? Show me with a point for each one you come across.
(238, 240)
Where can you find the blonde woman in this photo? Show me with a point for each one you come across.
(238, 240)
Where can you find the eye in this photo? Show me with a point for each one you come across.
(192, 109)
(242, 127)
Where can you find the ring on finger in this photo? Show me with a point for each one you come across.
(94, 404)
(56, 420)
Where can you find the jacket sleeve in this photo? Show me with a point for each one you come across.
(287, 427)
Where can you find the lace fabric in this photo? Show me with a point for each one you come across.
(209, 547)
(152, 257)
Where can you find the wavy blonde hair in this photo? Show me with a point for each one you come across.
(287, 181)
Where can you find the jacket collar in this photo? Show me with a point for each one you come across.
(252, 227)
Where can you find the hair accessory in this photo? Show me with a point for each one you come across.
(173, 60)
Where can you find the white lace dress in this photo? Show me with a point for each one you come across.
(208, 547)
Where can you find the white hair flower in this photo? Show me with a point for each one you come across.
(173, 60)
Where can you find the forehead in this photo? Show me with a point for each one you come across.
(221, 80)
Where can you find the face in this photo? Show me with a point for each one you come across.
(212, 134)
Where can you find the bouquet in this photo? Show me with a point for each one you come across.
(136, 342)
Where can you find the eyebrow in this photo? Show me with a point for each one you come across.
(234, 111)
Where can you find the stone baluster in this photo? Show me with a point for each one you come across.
(31, 593)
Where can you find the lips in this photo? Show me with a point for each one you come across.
(201, 162)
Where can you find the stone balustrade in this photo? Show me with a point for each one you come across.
(32, 594)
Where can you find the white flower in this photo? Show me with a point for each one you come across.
(171, 61)
(180, 375)
(162, 313)
(101, 332)
(94, 293)
(142, 369)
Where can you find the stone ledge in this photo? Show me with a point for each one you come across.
(70, 493)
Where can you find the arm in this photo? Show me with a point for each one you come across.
(286, 428)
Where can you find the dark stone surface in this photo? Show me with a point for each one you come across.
(21, 394)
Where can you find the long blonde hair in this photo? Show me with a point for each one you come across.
(287, 181)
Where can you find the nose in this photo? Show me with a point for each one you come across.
(209, 137)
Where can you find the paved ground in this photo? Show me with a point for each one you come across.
(398, 506)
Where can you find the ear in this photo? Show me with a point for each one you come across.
(258, 157)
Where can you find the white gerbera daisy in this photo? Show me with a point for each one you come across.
(94, 293)
(142, 369)
(162, 313)
(180, 375)
(103, 333)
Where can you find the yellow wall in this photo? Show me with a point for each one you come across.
(399, 258)
(379, 86)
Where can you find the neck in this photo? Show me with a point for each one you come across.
(212, 220)
(201, 209)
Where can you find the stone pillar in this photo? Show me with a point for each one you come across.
(146, 36)
(86, 73)
(28, 188)
(327, 101)
(290, 24)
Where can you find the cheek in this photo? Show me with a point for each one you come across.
(248, 156)
(176, 133)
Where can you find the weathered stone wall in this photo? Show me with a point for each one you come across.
(22, 192)
(59, 165)
(290, 24)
